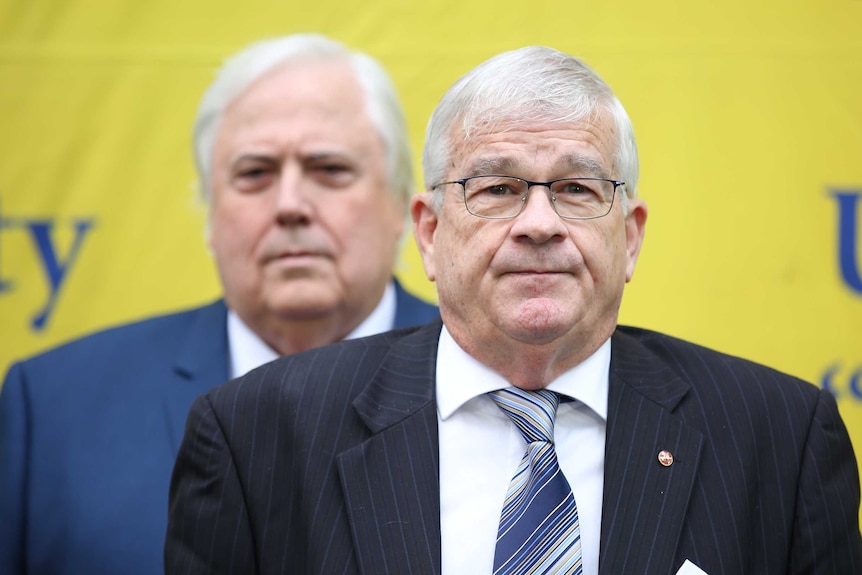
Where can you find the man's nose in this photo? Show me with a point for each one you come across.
(293, 203)
(538, 220)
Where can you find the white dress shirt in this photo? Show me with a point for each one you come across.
(248, 350)
(480, 448)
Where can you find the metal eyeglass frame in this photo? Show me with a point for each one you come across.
(463, 183)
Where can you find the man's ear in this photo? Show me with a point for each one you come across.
(635, 227)
(424, 227)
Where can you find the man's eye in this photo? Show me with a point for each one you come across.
(253, 173)
(333, 169)
(253, 179)
(575, 188)
(499, 190)
(333, 175)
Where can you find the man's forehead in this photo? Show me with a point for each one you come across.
(586, 146)
(508, 164)
(310, 119)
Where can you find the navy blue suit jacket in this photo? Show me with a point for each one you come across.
(88, 437)
(327, 462)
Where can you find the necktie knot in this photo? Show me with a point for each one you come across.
(533, 412)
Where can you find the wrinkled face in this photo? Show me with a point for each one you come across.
(536, 278)
(302, 224)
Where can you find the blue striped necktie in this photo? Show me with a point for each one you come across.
(539, 528)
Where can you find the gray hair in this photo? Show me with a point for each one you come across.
(244, 68)
(528, 85)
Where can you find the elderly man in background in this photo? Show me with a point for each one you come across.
(303, 156)
(527, 432)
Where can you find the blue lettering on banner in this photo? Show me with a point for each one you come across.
(848, 237)
(842, 382)
(55, 267)
(847, 383)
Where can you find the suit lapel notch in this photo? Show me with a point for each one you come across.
(390, 481)
(405, 381)
(199, 364)
(651, 462)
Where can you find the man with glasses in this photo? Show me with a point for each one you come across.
(304, 160)
(527, 432)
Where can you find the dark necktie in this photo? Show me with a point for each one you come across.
(539, 528)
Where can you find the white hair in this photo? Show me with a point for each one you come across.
(528, 85)
(245, 67)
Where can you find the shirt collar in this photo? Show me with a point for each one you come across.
(381, 319)
(248, 350)
(460, 378)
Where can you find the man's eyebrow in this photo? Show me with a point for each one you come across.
(491, 165)
(329, 155)
(263, 158)
(583, 165)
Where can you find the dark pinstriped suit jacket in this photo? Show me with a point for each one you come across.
(326, 462)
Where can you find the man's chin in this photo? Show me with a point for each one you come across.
(308, 301)
(299, 269)
(539, 320)
(302, 311)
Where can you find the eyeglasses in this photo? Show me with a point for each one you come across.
(503, 197)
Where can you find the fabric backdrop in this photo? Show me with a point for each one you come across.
(748, 117)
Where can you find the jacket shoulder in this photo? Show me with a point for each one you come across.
(346, 366)
(134, 343)
(706, 370)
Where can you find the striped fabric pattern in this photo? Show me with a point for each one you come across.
(539, 529)
(328, 462)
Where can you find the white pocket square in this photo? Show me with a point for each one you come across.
(689, 568)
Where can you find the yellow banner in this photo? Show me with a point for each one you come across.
(748, 116)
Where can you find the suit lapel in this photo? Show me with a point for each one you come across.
(390, 481)
(200, 363)
(645, 502)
